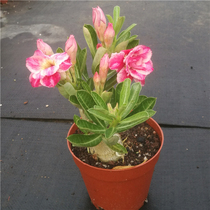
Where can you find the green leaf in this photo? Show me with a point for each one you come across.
(102, 114)
(85, 74)
(86, 101)
(59, 50)
(91, 38)
(134, 120)
(112, 101)
(110, 19)
(111, 82)
(83, 140)
(90, 127)
(90, 83)
(125, 92)
(118, 148)
(124, 38)
(125, 31)
(111, 73)
(133, 98)
(81, 60)
(78, 50)
(121, 46)
(121, 110)
(124, 127)
(76, 118)
(146, 104)
(96, 61)
(116, 14)
(67, 90)
(132, 38)
(117, 92)
(62, 91)
(74, 101)
(133, 44)
(140, 99)
(98, 100)
(77, 72)
(119, 24)
(137, 117)
(86, 86)
(110, 132)
(151, 112)
(106, 96)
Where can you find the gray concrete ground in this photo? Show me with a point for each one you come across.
(37, 171)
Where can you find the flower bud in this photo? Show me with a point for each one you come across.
(103, 69)
(96, 80)
(71, 48)
(98, 45)
(44, 47)
(63, 75)
(109, 35)
(99, 22)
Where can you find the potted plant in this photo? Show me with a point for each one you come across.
(105, 111)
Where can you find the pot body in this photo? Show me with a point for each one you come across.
(121, 189)
(3, 1)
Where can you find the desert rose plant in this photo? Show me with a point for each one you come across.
(105, 110)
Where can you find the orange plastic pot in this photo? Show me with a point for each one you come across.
(121, 189)
(3, 1)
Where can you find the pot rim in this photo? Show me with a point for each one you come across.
(161, 136)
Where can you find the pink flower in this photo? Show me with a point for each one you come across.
(109, 35)
(104, 68)
(45, 70)
(99, 22)
(71, 48)
(44, 47)
(133, 63)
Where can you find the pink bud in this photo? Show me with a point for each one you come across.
(96, 80)
(109, 35)
(98, 45)
(71, 48)
(99, 22)
(104, 68)
(44, 47)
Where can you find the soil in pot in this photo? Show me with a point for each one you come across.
(141, 142)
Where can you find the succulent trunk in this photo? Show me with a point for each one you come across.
(104, 153)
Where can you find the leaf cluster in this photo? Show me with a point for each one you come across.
(124, 109)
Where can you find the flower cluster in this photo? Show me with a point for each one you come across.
(117, 58)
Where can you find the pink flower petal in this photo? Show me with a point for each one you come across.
(49, 71)
(40, 53)
(34, 62)
(127, 51)
(44, 47)
(65, 65)
(34, 82)
(137, 76)
(36, 75)
(59, 57)
(122, 75)
(141, 81)
(116, 61)
(50, 81)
